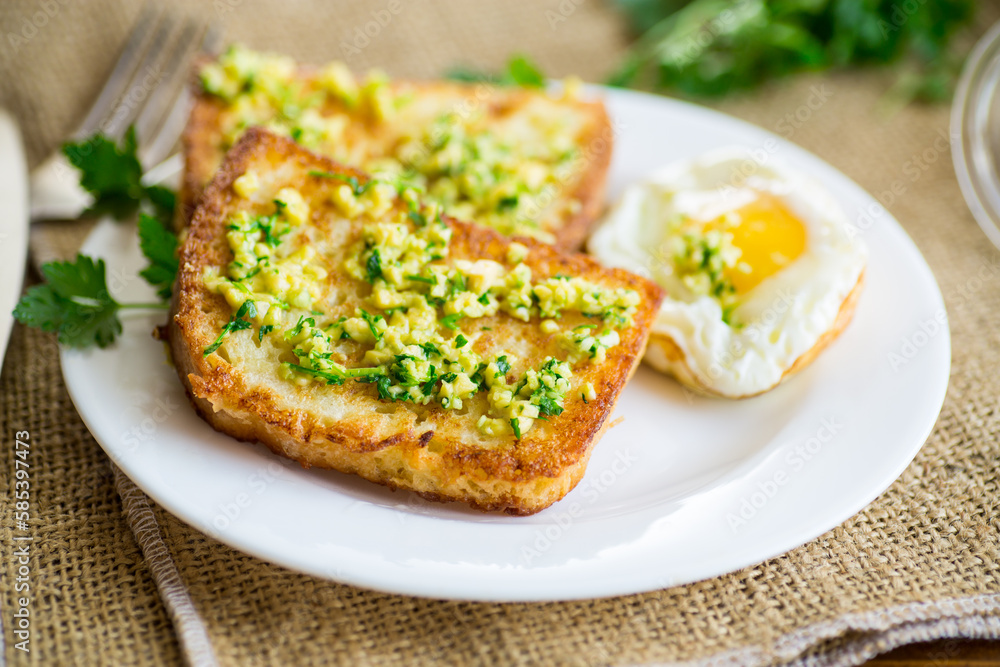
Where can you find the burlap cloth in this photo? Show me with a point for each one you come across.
(920, 562)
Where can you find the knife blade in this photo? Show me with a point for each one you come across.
(13, 222)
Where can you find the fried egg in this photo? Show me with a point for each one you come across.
(761, 266)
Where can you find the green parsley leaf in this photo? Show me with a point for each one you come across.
(507, 203)
(548, 406)
(372, 320)
(451, 321)
(264, 330)
(301, 324)
(110, 173)
(502, 366)
(525, 73)
(689, 48)
(521, 71)
(461, 341)
(373, 267)
(418, 219)
(164, 201)
(456, 285)
(357, 187)
(74, 302)
(428, 387)
(382, 385)
(331, 378)
(516, 425)
(159, 245)
(338, 374)
(236, 323)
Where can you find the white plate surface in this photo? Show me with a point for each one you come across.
(684, 488)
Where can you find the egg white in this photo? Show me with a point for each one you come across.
(774, 323)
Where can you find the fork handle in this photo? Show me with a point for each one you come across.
(55, 191)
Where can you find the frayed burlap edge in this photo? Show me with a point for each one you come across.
(973, 617)
(191, 630)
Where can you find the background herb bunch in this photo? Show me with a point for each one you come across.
(710, 47)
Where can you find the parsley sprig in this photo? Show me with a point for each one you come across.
(74, 300)
(75, 303)
(521, 71)
(706, 48)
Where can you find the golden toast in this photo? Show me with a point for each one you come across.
(389, 341)
(523, 161)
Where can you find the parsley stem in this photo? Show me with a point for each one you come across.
(157, 306)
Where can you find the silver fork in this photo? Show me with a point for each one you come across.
(146, 88)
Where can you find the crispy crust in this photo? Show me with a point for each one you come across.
(666, 356)
(347, 428)
(203, 151)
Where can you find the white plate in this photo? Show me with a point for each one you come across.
(683, 489)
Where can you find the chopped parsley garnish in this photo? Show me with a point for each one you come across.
(515, 424)
(236, 323)
(502, 366)
(477, 377)
(372, 320)
(451, 321)
(548, 406)
(264, 330)
(297, 329)
(507, 203)
(382, 385)
(356, 186)
(428, 386)
(373, 267)
(418, 218)
(461, 341)
(339, 375)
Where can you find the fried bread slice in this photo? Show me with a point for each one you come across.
(520, 160)
(432, 369)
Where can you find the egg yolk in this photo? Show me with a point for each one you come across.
(769, 236)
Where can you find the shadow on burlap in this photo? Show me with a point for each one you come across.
(921, 561)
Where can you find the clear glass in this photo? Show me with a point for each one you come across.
(975, 133)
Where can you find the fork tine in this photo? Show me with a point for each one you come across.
(157, 106)
(151, 65)
(162, 142)
(120, 74)
(212, 41)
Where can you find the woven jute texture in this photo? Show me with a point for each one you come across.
(922, 561)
